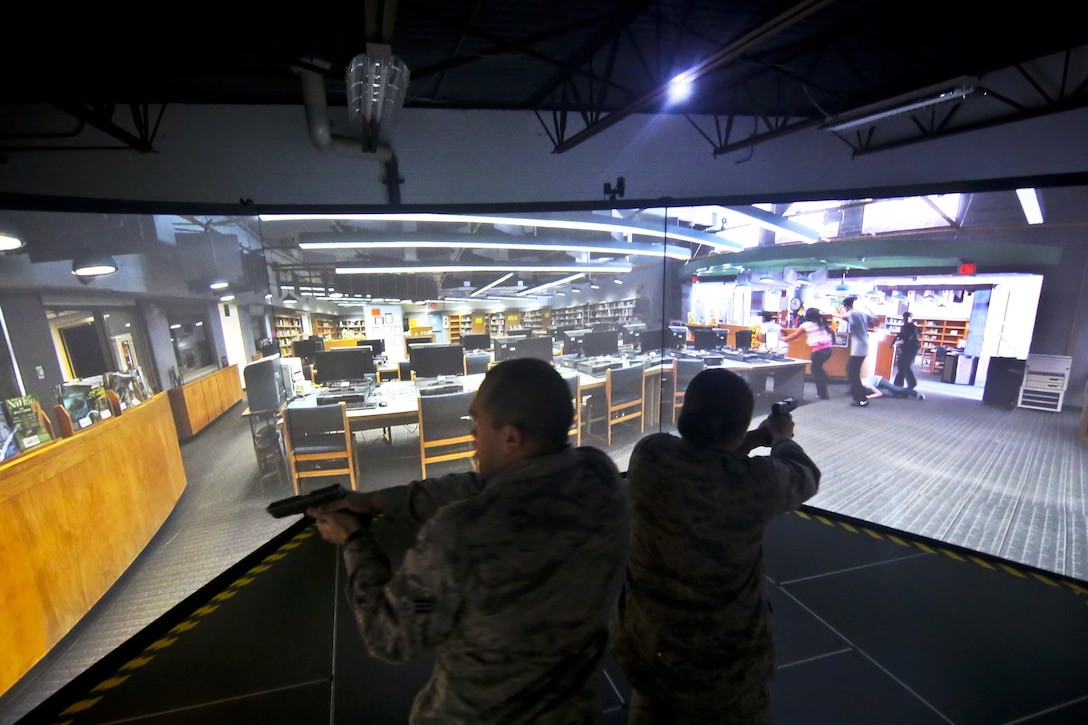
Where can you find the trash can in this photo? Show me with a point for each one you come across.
(1004, 376)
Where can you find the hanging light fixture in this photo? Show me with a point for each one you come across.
(377, 82)
(767, 278)
(9, 238)
(219, 284)
(842, 286)
(290, 299)
(93, 265)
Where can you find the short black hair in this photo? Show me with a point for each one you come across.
(717, 403)
(532, 395)
(907, 317)
(849, 301)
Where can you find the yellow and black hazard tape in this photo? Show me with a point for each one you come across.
(97, 692)
(929, 547)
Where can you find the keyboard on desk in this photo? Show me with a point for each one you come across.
(596, 366)
(439, 388)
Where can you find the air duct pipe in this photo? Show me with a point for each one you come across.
(317, 121)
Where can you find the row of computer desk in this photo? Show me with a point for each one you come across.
(395, 402)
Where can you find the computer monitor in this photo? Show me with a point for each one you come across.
(412, 341)
(600, 344)
(306, 349)
(376, 347)
(344, 365)
(437, 360)
(476, 340)
(709, 338)
(743, 339)
(655, 340)
(509, 348)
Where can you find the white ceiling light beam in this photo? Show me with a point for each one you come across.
(775, 222)
(547, 285)
(496, 283)
(1029, 202)
(451, 267)
(318, 241)
(569, 221)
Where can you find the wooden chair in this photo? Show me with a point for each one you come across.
(445, 428)
(574, 383)
(319, 443)
(623, 399)
(685, 371)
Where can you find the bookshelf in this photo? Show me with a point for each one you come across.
(458, 324)
(354, 327)
(324, 326)
(288, 329)
(936, 333)
(615, 311)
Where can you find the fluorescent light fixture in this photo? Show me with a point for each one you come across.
(322, 241)
(617, 280)
(622, 226)
(906, 103)
(766, 278)
(93, 265)
(219, 284)
(290, 300)
(776, 222)
(227, 297)
(548, 285)
(496, 283)
(1029, 202)
(409, 268)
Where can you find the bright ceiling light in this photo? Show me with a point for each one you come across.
(290, 300)
(622, 226)
(488, 286)
(409, 268)
(93, 265)
(1029, 202)
(9, 242)
(219, 284)
(680, 88)
(547, 285)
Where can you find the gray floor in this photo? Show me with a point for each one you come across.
(1006, 482)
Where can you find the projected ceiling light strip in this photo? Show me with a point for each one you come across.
(619, 226)
(329, 241)
(547, 285)
(499, 267)
(496, 283)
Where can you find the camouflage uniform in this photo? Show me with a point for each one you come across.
(692, 628)
(512, 582)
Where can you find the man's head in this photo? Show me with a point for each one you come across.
(848, 303)
(907, 317)
(522, 409)
(717, 409)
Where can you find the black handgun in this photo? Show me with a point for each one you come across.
(783, 407)
(298, 504)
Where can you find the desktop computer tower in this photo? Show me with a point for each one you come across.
(264, 384)
(292, 376)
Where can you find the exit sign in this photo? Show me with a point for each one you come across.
(967, 268)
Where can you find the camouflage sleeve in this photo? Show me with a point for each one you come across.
(403, 614)
(418, 501)
(795, 477)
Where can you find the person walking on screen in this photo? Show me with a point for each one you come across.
(818, 336)
(858, 323)
(515, 569)
(692, 630)
(909, 340)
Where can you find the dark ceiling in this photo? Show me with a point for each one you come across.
(580, 64)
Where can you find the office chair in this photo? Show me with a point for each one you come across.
(574, 384)
(477, 362)
(319, 438)
(445, 428)
(404, 370)
(685, 371)
(622, 400)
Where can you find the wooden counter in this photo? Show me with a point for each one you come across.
(74, 515)
(198, 403)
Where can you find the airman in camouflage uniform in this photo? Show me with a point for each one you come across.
(514, 571)
(693, 627)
